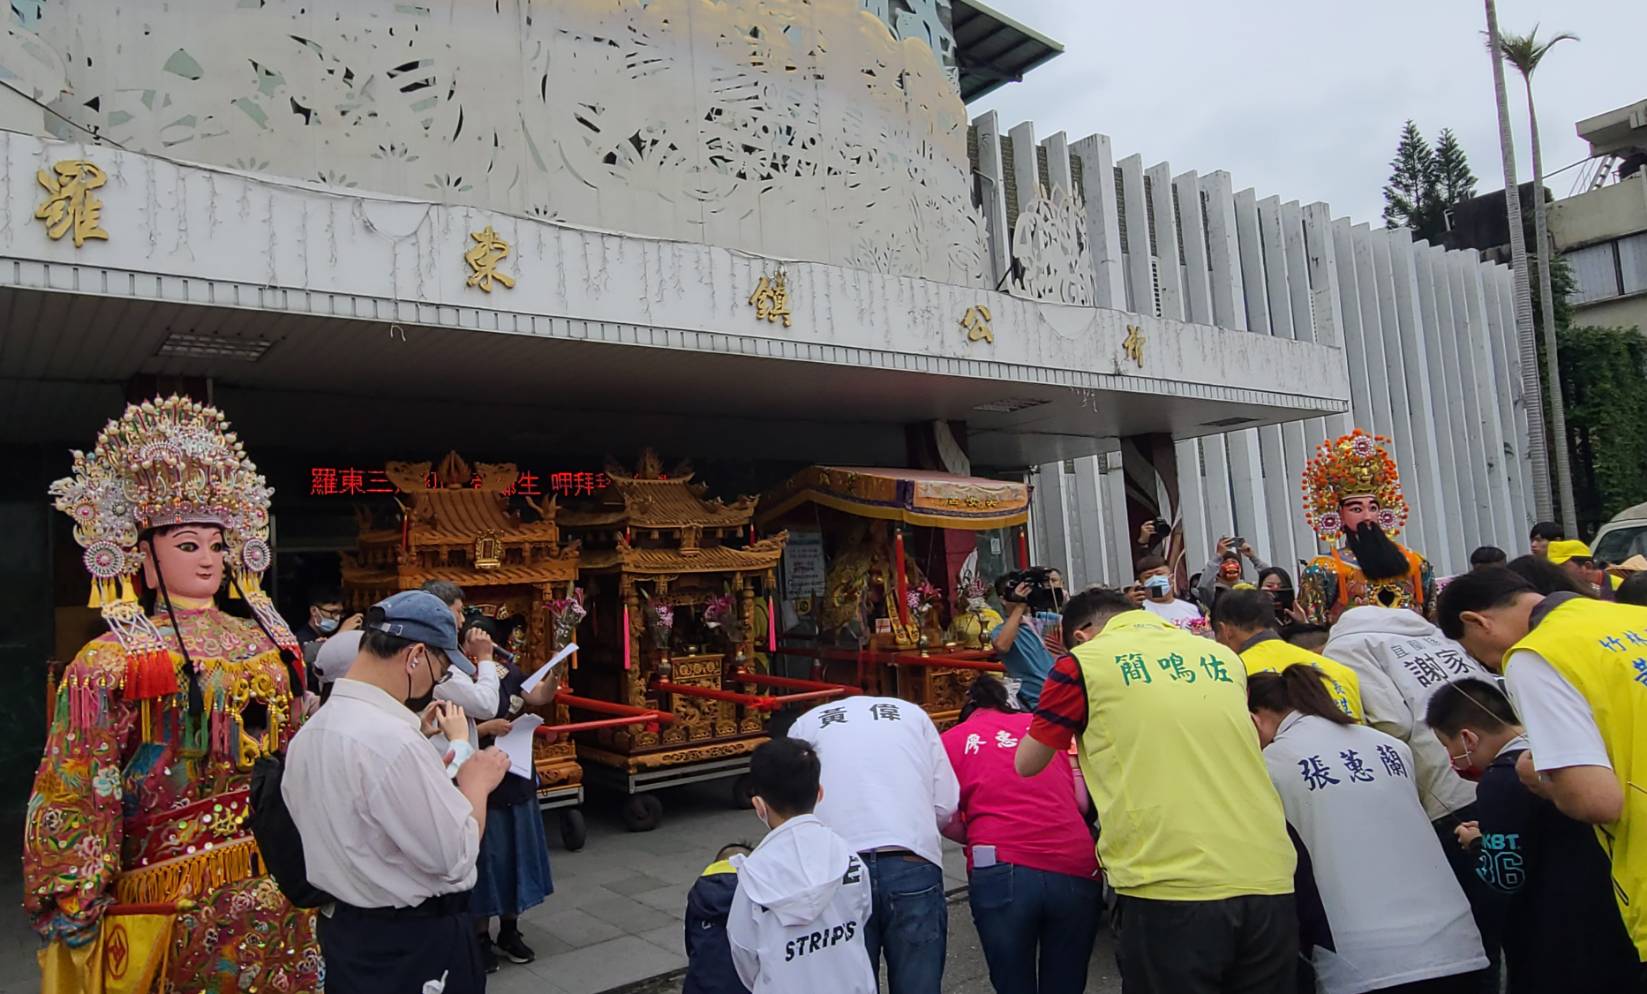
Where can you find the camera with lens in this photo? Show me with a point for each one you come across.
(1042, 596)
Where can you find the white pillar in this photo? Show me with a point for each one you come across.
(1501, 326)
(1026, 171)
(1425, 482)
(1502, 529)
(1355, 350)
(1103, 223)
(1166, 242)
(1197, 267)
(1471, 363)
(993, 188)
(1139, 253)
(1401, 407)
(1440, 352)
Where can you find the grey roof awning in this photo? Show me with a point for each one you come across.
(993, 49)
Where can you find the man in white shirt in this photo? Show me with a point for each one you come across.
(474, 690)
(887, 789)
(384, 829)
(1162, 600)
(797, 920)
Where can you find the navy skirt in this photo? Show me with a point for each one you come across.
(513, 871)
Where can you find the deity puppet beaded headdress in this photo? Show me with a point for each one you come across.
(1353, 465)
(165, 462)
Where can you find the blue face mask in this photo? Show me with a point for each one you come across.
(1159, 585)
(326, 626)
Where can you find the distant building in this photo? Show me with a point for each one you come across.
(1602, 232)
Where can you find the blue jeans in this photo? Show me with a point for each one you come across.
(1035, 924)
(909, 921)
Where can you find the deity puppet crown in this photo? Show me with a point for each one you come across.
(163, 462)
(1353, 465)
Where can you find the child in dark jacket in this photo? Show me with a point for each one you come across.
(1561, 928)
(709, 967)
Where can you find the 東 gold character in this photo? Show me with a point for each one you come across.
(976, 322)
(489, 250)
(771, 299)
(1133, 345)
(72, 205)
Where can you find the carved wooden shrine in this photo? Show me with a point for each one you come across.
(672, 579)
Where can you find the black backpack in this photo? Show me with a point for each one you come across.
(278, 841)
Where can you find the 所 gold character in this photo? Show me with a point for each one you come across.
(1133, 344)
(489, 250)
(72, 204)
(771, 299)
(976, 321)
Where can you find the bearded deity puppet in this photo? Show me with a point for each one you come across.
(140, 871)
(1353, 501)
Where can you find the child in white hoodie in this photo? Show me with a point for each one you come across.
(797, 919)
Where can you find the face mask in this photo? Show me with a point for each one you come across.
(1283, 598)
(1463, 764)
(326, 626)
(1160, 586)
(418, 703)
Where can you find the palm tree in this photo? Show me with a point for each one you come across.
(1525, 52)
(1526, 336)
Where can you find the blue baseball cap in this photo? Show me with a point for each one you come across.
(421, 617)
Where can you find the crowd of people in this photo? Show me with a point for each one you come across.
(1372, 780)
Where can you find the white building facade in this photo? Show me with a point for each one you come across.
(563, 225)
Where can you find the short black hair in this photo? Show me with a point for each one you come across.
(325, 594)
(784, 773)
(732, 848)
(1550, 531)
(1300, 629)
(1469, 703)
(1477, 590)
(1092, 605)
(1488, 555)
(378, 643)
(1546, 577)
(448, 592)
(1146, 564)
(1633, 590)
(1244, 609)
(985, 691)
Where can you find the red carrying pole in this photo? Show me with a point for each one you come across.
(791, 683)
(611, 707)
(549, 731)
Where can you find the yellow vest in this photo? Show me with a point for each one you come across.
(1601, 649)
(1172, 762)
(1272, 655)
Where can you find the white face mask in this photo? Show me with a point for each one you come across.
(1160, 586)
(762, 813)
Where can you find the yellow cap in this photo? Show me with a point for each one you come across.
(1560, 552)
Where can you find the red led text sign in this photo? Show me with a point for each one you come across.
(350, 481)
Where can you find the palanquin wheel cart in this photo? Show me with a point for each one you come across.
(902, 609)
(672, 579)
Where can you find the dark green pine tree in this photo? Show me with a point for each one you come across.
(1454, 181)
(1412, 196)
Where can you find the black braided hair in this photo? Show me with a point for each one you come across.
(197, 702)
(295, 687)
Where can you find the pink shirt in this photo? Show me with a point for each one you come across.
(1031, 822)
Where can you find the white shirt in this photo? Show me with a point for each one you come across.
(1400, 660)
(477, 695)
(382, 824)
(886, 777)
(1558, 719)
(796, 925)
(1396, 912)
(1178, 611)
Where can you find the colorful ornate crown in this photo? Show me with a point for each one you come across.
(165, 462)
(1354, 465)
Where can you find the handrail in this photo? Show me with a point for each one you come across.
(759, 703)
(792, 683)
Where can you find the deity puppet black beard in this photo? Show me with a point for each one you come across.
(1379, 557)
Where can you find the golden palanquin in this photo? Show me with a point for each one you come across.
(902, 648)
(466, 525)
(655, 548)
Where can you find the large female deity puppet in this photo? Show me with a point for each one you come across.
(1353, 501)
(138, 864)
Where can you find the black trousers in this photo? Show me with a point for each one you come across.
(398, 950)
(1239, 945)
(1485, 906)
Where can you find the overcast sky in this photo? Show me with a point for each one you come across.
(1305, 99)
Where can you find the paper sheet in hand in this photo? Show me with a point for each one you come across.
(543, 671)
(518, 744)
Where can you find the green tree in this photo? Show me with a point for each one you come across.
(1454, 181)
(1412, 196)
(1604, 377)
(1525, 52)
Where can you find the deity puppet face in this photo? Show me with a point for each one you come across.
(189, 558)
(1355, 511)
